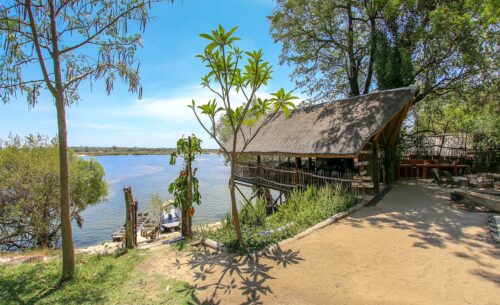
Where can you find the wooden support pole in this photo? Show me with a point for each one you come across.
(135, 206)
(298, 165)
(376, 170)
(258, 169)
(129, 218)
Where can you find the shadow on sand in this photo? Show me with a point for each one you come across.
(245, 275)
(433, 220)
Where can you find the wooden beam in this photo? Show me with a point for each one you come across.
(376, 170)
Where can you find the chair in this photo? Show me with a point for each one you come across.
(437, 177)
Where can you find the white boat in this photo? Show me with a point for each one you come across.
(170, 218)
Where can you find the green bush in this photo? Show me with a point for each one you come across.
(253, 214)
(302, 209)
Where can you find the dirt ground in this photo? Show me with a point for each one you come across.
(414, 247)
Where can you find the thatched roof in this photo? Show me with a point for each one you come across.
(337, 128)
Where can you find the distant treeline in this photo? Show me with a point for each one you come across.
(114, 150)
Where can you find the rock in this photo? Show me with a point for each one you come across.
(26, 259)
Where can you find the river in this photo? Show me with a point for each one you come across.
(147, 175)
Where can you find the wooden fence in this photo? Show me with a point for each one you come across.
(284, 179)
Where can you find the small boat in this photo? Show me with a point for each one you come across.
(170, 217)
(119, 234)
(487, 199)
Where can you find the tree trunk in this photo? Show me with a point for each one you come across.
(129, 223)
(68, 251)
(187, 232)
(352, 69)
(234, 207)
(185, 223)
(373, 46)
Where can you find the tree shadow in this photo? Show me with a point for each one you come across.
(433, 221)
(18, 288)
(37, 283)
(246, 275)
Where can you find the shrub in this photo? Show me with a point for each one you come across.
(303, 209)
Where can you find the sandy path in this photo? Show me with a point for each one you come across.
(414, 247)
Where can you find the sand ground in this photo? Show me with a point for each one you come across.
(414, 247)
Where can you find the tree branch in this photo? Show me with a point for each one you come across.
(37, 48)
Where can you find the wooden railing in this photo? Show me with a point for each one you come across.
(289, 178)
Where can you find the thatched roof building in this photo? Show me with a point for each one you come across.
(337, 129)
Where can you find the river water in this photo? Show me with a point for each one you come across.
(147, 175)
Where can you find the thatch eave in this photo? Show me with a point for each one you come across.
(337, 129)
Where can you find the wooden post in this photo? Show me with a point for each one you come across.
(258, 169)
(376, 171)
(298, 164)
(134, 219)
(129, 218)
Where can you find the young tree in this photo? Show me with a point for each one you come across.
(225, 78)
(29, 191)
(58, 45)
(186, 187)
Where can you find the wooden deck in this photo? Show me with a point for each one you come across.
(286, 179)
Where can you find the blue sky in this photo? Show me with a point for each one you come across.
(170, 76)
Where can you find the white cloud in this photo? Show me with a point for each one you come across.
(172, 108)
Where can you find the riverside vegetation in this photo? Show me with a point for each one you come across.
(302, 209)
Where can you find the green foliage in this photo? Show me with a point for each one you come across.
(97, 277)
(179, 189)
(155, 207)
(29, 191)
(393, 64)
(95, 45)
(253, 214)
(233, 71)
(472, 111)
(301, 210)
(353, 47)
(101, 279)
(187, 148)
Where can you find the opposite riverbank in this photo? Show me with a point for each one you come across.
(125, 151)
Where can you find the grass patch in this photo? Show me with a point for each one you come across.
(100, 279)
(303, 208)
(156, 290)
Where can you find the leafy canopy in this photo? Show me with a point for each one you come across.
(232, 72)
(29, 191)
(89, 40)
(352, 47)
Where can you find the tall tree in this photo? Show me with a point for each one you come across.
(330, 43)
(58, 45)
(337, 46)
(227, 77)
